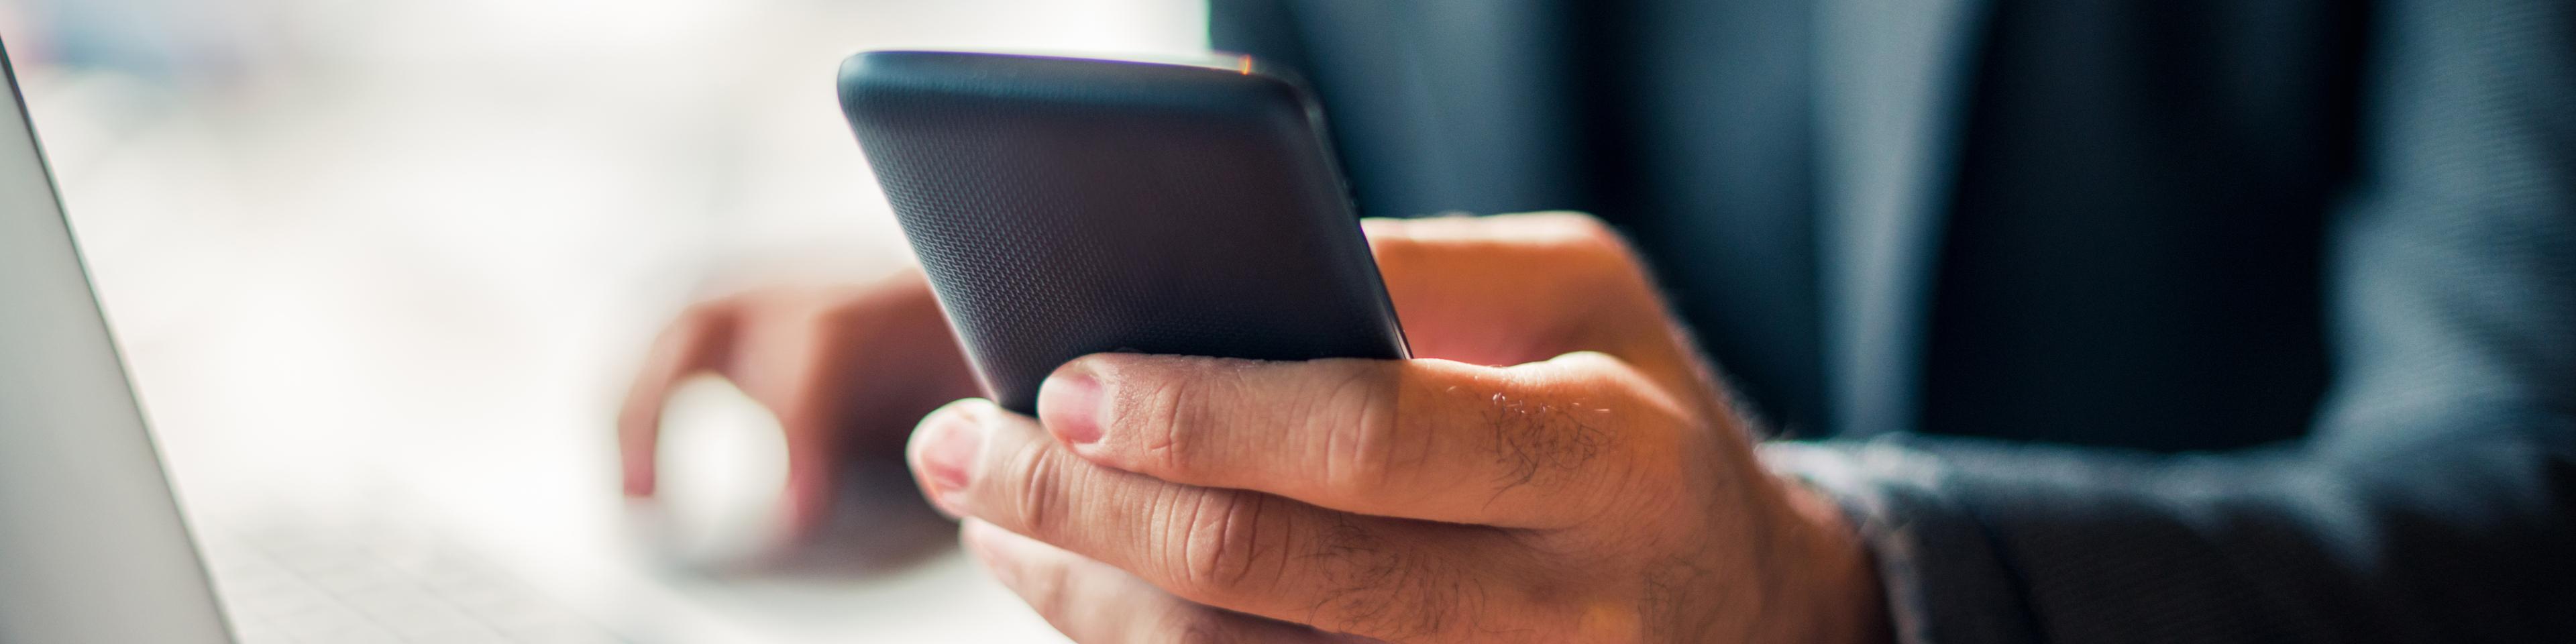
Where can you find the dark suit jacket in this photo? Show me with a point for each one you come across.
(2275, 300)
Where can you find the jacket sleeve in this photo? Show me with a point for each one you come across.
(2434, 498)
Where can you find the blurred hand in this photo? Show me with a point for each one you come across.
(847, 369)
(1556, 466)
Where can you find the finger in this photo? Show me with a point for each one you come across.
(811, 427)
(1542, 445)
(898, 361)
(1094, 603)
(692, 343)
(1243, 551)
(1551, 274)
(801, 355)
(848, 371)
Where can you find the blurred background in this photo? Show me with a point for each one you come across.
(350, 247)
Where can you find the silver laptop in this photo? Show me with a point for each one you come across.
(95, 550)
(93, 546)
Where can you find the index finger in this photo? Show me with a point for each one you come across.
(692, 343)
(1541, 445)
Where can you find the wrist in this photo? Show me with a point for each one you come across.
(1827, 577)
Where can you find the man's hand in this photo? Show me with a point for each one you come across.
(1556, 467)
(845, 368)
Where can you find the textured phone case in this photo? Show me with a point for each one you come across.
(1063, 207)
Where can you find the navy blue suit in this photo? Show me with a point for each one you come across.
(2109, 320)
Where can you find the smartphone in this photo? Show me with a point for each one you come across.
(1068, 206)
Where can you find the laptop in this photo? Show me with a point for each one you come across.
(93, 545)
(96, 550)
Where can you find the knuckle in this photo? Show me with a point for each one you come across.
(1368, 447)
(1038, 490)
(1165, 410)
(1586, 227)
(1578, 366)
(1181, 410)
(1641, 434)
(1227, 545)
(1570, 421)
(1589, 234)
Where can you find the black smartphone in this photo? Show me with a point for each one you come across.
(1069, 206)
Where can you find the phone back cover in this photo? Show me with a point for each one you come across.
(1063, 207)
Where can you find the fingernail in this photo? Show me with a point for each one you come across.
(954, 440)
(1069, 403)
